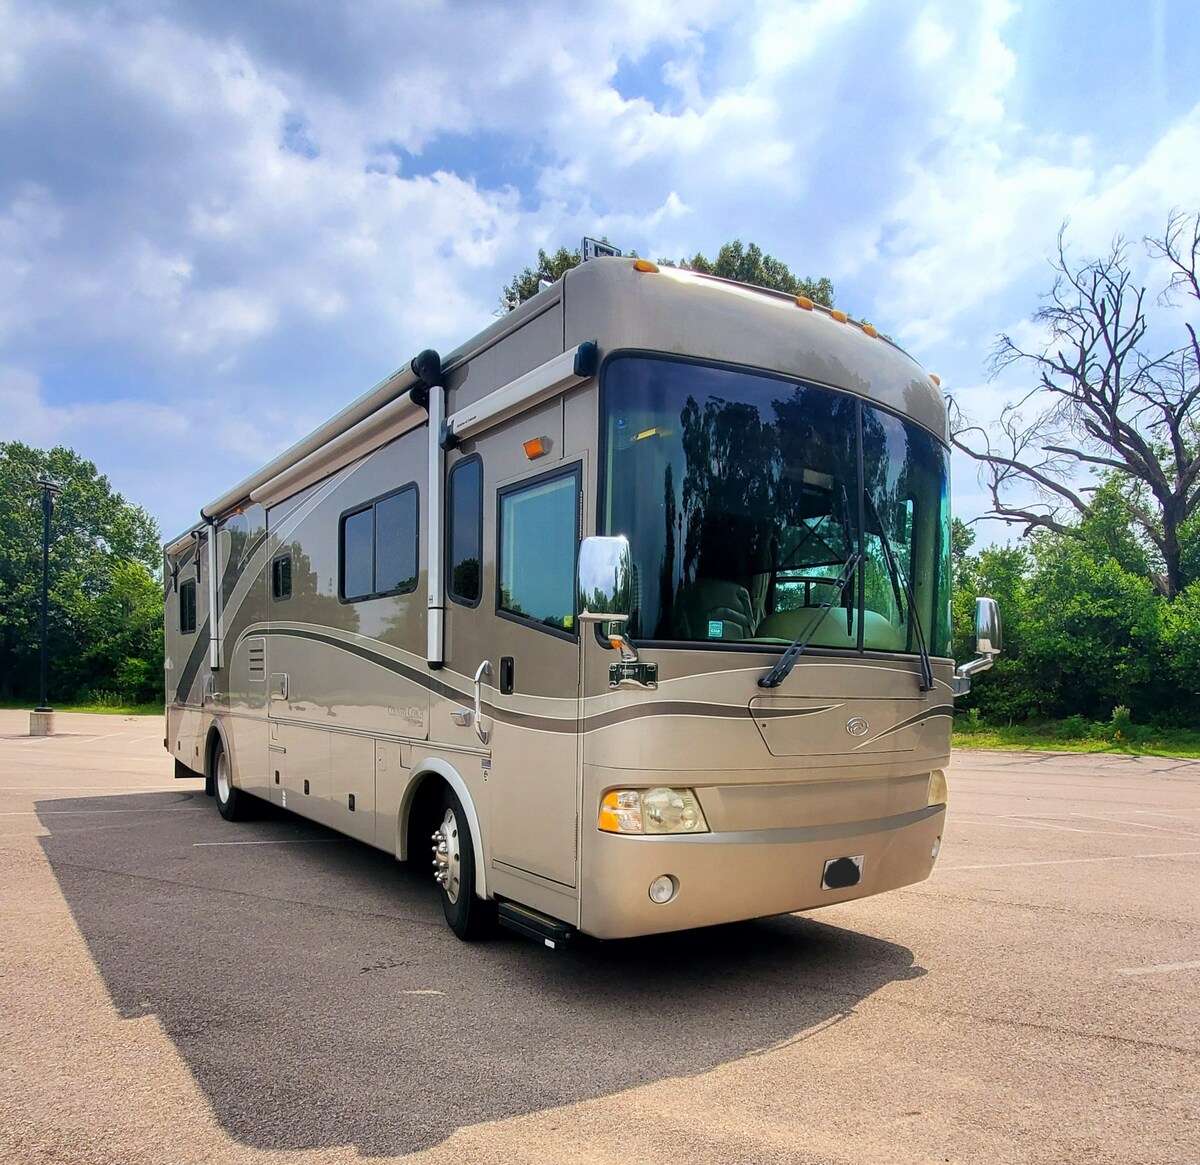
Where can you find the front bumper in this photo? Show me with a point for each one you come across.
(725, 877)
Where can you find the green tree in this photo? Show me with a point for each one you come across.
(105, 605)
(733, 261)
(1005, 693)
(750, 265)
(1092, 634)
(550, 268)
(1181, 652)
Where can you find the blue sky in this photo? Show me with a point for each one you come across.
(220, 222)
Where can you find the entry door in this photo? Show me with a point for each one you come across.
(535, 677)
(511, 590)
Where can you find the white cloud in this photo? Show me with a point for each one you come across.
(213, 212)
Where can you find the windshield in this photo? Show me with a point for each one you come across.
(743, 498)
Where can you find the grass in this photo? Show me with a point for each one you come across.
(104, 708)
(1068, 736)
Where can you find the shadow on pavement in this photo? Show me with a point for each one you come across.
(318, 999)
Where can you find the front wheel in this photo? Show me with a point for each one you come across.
(469, 916)
(232, 803)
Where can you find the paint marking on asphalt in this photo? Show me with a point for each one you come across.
(1161, 969)
(1138, 824)
(1192, 853)
(1055, 828)
(288, 841)
(426, 992)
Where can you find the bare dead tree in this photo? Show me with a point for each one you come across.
(1102, 402)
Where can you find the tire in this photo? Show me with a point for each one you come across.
(468, 915)
(232, 803)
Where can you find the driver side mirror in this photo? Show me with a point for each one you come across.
(606, 587)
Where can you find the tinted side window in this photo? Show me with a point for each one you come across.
(396, 542)
(187, 607)
(358, 562)
(281, 577)
(464, 535)
(379, 547)
(539, 537)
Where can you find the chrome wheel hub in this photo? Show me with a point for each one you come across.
(223, 787)
(447, 857)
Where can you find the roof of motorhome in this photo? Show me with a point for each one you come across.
(627, 304)
(674, 310)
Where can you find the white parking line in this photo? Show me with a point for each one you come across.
(992, 823)
(1137, 824)
(1192, 853)
(1161, 969)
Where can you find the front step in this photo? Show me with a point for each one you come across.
(535, 925)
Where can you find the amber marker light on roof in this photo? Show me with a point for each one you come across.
(804, 302)
(936, 380)
(536, 448)
(870, 329)
(840, 316)
(644, 265)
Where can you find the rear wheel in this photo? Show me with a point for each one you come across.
(232, 803)
(469, 916)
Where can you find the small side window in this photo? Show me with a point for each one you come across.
(464, 532)
(539, 542)
(187, 607)
(281, 577)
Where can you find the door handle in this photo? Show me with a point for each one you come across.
(484, 669)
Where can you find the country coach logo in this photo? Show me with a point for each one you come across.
(857, 726)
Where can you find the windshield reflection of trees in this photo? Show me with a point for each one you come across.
(759, 494)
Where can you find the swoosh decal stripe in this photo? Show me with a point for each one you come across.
(590, 723)
(939, 710)
(195, 659)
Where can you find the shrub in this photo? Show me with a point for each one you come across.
(971, 722)
(1076, 728)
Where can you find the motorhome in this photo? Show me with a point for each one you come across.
(630, 615)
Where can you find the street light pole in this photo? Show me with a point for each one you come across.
(49, 489)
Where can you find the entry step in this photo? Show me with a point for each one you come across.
(535, 925)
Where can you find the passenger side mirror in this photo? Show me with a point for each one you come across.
(988, 641)
(989, 636)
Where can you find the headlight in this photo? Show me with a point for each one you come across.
(651, 811)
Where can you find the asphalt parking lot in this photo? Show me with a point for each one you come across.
(176, 988)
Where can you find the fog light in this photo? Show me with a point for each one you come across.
(937, 788)
(663, 889)
(937, 845)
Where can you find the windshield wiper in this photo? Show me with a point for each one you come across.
(899, 582)
(785, 663)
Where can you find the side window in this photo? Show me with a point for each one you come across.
(187, 607)
(464, 531)
(539, 540)
(281, 577)
(378, 547)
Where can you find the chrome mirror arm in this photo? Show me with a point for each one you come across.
(964, 672)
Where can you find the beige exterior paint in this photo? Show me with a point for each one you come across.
(339, 696)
